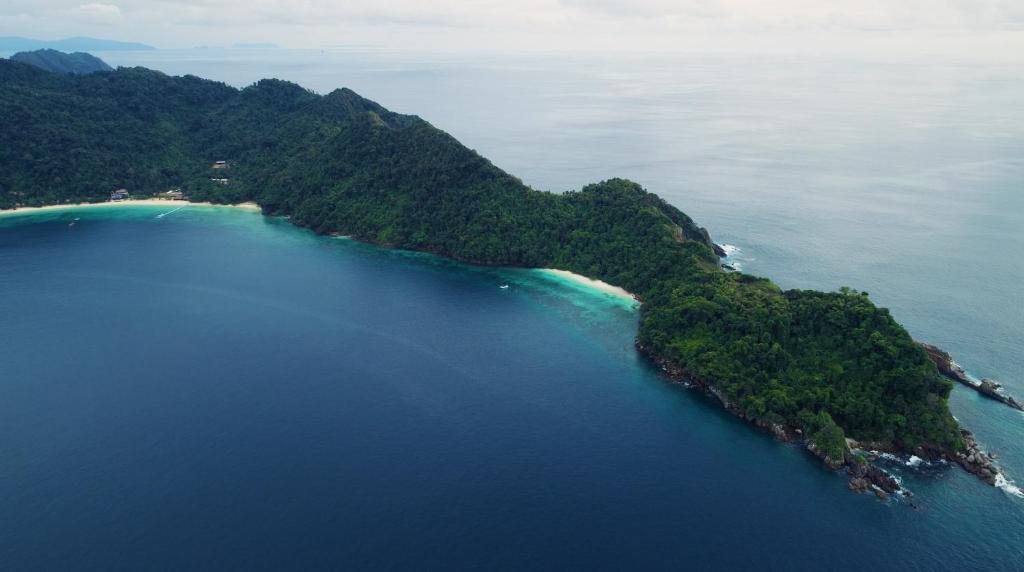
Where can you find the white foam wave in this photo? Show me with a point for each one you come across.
(1003, 483)
(731, 250)
(914, 461)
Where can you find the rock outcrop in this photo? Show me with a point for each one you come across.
(976, 461)
(865, 477)
(952, 370)
(831, 462)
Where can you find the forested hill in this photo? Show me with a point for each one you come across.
(60, 62)
(827, 365)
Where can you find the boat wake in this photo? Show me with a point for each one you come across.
(162, 215)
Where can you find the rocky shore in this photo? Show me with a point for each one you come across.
(867, 478)
(986, 387)
(976, 461)
(863, 476)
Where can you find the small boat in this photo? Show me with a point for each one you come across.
(503, 286)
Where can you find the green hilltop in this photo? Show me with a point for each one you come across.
(60, 62)
(822, 365)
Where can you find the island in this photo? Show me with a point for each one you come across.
(60, 62)
(76, 44)
(827, 369)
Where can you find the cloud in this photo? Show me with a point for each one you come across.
(649, 8)
(474, 25)
(98, 13)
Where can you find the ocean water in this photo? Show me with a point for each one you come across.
(900, 177)
(216, 389)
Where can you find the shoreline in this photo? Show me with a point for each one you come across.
(592, 283)
(861, 474)
(250, 206)
(863, 477)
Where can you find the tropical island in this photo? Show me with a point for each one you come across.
(830, 369)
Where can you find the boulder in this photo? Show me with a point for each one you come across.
(859, 485)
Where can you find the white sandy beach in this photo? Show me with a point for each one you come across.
(590, 282)
(128, 203)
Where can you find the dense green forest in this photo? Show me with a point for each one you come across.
(828, 364)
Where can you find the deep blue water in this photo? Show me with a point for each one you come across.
(216, 389)
(900, 177)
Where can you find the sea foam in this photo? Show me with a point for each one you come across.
(730, 250)
(1008, 486)
(734, 256)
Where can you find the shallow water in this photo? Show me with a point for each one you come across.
(217, 389)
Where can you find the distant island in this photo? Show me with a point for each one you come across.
(829, 369)
(78, 44)
(60, 62)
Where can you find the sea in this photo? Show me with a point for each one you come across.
(213, 389)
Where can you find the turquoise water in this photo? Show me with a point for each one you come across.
(216, 389)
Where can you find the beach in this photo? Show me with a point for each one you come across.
(138, 203)
(591, 283)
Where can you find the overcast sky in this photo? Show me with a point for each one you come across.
(989, 28)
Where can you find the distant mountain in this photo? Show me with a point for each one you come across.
(78, 44)
(59, 62)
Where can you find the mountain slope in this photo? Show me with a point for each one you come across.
(60, 62)
(824, 365)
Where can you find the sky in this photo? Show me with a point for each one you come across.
(952, 28)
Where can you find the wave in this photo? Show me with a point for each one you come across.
(914, 461)
(734, 256)
(1008, 486)
(731, 250)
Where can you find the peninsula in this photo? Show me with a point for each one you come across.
(830, 369)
